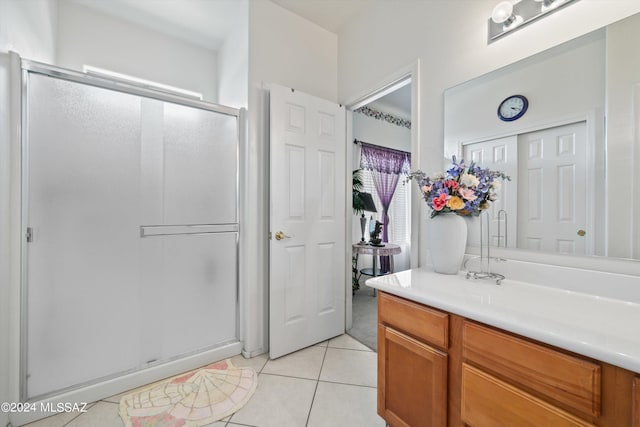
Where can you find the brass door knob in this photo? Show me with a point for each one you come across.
(581, 233)
(280, 235)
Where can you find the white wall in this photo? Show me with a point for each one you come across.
(29, 28)
(623, 135)
(289, 50)
(92, 38)
(450, 40)
(233, 65)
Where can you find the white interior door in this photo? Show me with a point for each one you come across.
(499, 154)
(552, 175)
(307, 221)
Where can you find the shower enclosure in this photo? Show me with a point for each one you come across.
(131, 220)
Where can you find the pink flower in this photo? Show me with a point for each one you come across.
(439, 202)
(426, 189)
(450, 183)
(467, 194)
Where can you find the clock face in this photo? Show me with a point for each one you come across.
(512, 108)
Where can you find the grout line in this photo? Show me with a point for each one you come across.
(322, 364)
(80, 414)
(289, 376)
(263, 366)
(315, 390)
(353, 385)
(367, 350)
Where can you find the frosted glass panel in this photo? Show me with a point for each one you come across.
(84, 156)
(199, 289)
(200, 149)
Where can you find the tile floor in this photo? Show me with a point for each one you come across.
(331, 384)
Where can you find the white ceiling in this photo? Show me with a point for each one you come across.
(397, 102)
(205, 23)
(331, 15)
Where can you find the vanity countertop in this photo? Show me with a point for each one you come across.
(603, 328)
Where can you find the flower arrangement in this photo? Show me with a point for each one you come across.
(461, 190)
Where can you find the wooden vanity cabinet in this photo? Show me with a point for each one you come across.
(412, 363)
(636, 402)
(489, 401)
(440, 369)
(512, 381)
(562, 379)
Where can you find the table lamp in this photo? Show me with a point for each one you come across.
(367, 206)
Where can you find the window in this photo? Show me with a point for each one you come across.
(399, 210)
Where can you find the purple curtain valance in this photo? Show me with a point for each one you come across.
(384, 160)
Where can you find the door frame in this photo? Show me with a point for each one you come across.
(392, 82)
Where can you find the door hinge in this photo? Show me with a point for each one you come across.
(29, 235)
(270, 236)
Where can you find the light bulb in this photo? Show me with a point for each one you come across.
(503, 12)
(549, 4)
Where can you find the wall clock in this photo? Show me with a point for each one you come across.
(512, 108)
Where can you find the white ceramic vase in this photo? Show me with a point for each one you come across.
(447, 240)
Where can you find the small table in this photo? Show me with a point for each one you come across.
(389, 249)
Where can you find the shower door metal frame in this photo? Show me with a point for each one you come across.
(27, 67)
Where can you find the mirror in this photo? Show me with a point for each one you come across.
(573, 156)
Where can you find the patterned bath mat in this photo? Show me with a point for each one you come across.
(193, 399)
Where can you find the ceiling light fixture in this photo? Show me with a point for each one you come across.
(508, 16)
(549, 4)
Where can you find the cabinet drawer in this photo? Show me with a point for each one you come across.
(489, 402)
(426, 324)
(566, 379)
(636, 402)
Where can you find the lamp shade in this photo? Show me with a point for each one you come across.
(367, 202)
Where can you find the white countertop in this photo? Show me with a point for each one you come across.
(603, 328)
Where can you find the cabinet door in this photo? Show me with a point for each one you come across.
(412, 381)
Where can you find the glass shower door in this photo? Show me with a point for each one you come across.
(84, 211)
(132, 203)
(189, 229)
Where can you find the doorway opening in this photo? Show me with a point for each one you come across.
(380, 126)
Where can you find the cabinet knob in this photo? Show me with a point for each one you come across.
(581, 233)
